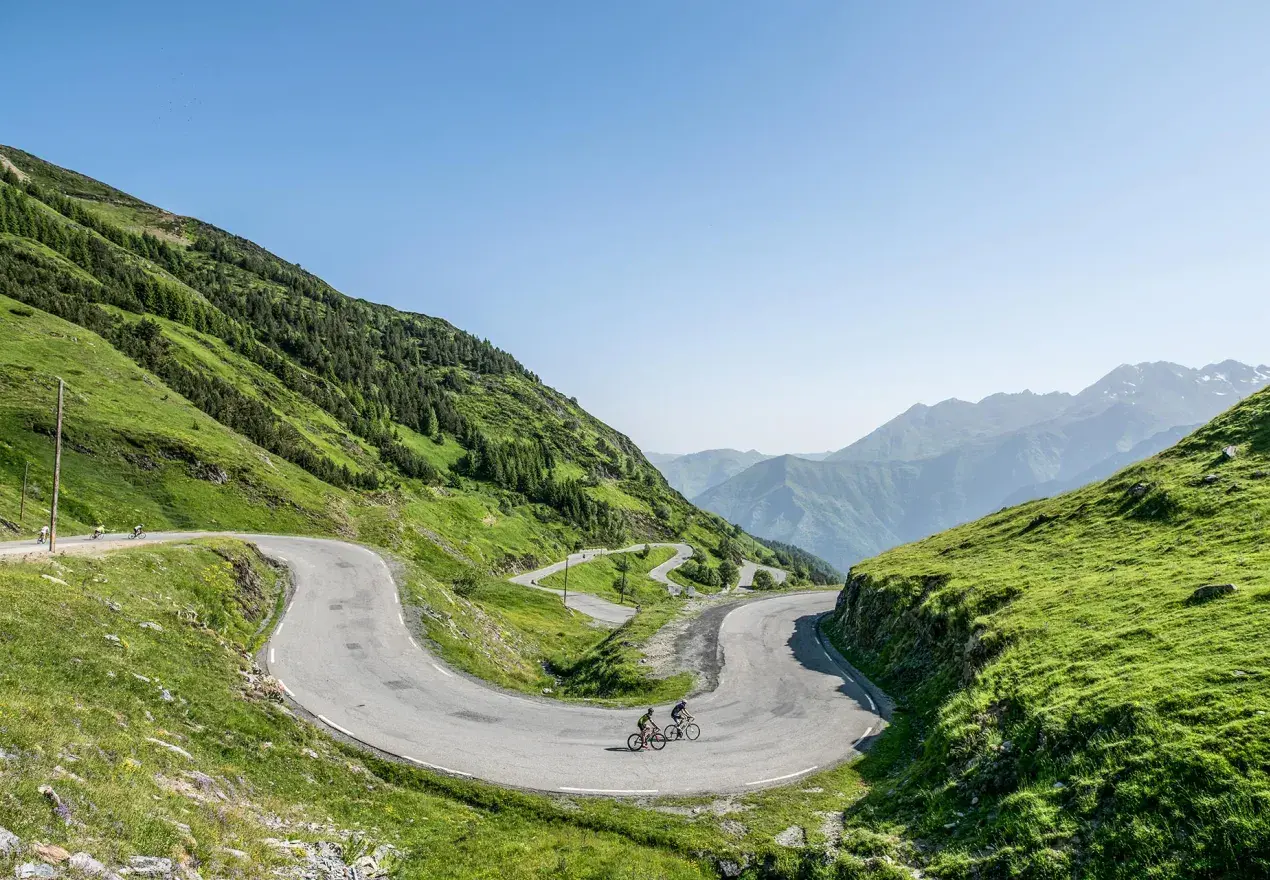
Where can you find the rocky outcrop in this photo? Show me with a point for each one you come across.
(1209, 592)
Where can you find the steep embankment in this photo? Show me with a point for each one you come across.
(1077, 703)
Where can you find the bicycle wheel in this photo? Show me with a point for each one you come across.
(692, 731)
(658, 741)
(633, 742)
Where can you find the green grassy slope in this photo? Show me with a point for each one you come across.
(134, 452)
(165, 471)
(601, 576)
(211, 385)
(1068, 709)
(358, 394)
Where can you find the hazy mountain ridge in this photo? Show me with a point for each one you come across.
(969, 459)
(695, 472)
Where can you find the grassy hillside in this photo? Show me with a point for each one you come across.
(133, 452)
(603, 576)
(1071, 706)
(212, 385)
(363, 397)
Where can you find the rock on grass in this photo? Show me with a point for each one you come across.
(793, 836)
(1209, 592)
(10, 844)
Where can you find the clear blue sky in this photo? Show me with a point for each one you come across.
(766, 225)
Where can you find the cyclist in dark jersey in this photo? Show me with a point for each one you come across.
(680, 712)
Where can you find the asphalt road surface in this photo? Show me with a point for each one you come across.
(783, 708)
(749, 569)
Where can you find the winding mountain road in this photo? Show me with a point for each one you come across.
(594, 606)
(785, 705)
(749, 569)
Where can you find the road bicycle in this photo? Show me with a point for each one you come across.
(656, 739)
(689, 731)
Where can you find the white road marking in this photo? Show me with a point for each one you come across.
(610, 790)
(278, 629)
(872, 705)
(330, 723)
(435, 766)
(271, 656)
(395, 599)
(286, 689)
(829, 657)
(440, 670)
(401, 619)
(412, 641)
(867, 731)
(779, 778)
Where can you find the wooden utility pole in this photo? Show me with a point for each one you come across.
(26, 470)
(57, 468)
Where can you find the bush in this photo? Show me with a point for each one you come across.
(467, 583)
(727, 573)
(763, 580)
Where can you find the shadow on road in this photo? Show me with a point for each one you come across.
(807, 650)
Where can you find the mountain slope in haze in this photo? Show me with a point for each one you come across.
(1103, 469)
(696, 472)
(846, 508)
(923, 431)
(1076, 702)
(661, 458)
(1174, 394)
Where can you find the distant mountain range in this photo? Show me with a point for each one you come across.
(933, 467)
(696, 472)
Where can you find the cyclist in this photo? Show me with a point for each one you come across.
(646, 727)
(138, 531)
(44, 533)
(680, 714)
(98, 532)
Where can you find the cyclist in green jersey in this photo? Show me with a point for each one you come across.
(646, 727)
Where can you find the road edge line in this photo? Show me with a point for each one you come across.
(786, 776)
